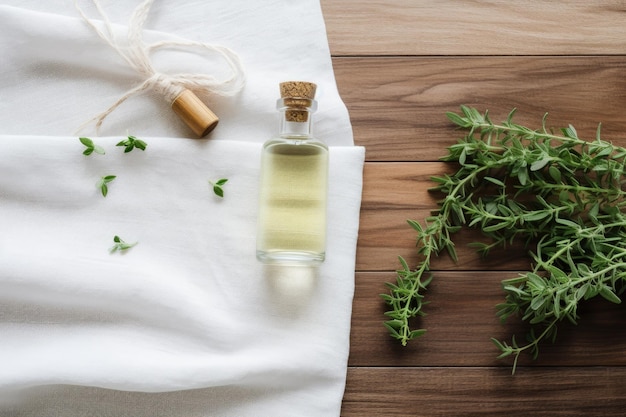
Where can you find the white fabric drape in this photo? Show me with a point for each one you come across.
(187, 322)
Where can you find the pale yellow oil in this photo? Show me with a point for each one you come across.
(292, 204)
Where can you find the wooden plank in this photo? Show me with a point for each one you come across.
(384, 235)
(398, 105)
(461, 319)
(392, 194)
(396, 192)
(468, 392)
(466, 27)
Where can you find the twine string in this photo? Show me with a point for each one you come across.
(136, 53)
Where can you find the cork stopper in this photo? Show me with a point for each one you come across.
(194, 113)
(297, 89)
(297, 94)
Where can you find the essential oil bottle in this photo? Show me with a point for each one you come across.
(294, 184)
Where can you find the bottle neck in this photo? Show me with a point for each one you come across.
(296, 117)
(289, 127)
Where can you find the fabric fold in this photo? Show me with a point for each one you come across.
(188, 307)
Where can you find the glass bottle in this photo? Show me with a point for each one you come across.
(293, 184)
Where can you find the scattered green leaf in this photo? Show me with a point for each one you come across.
(131, 142)
(120, 245)
(102, 184)
(91, 147)
(218, 186)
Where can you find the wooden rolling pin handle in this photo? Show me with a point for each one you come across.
(194, 113)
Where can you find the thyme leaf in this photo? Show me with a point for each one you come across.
(120, 245)
(91, 147)
(218, 187)
(131, 142)
(102, 184)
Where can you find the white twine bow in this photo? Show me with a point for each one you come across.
(136, 53)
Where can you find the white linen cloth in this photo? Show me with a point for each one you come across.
(187, 322)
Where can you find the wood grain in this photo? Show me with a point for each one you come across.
(461, 320)
(398, 105)
(467, 27)
(468, 392)
(396, 192)
(400, 66)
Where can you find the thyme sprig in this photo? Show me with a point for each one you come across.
(102, 184)
(120, 245)
(131, 142)
(218, 186)
(91, 147)
(560, 195)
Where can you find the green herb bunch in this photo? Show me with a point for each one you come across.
(559, 195)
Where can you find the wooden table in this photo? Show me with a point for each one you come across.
(400, 65)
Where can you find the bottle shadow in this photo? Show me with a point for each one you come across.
(291, 286)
